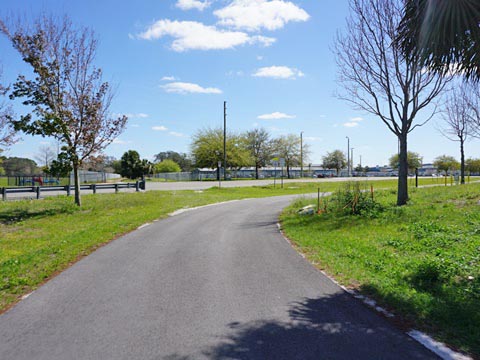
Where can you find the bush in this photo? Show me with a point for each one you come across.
(167, 166)
(353, 200)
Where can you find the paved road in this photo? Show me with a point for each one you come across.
(201, 185)
(198, 185)
(212, 283)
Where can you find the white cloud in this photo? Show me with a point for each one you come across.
(159, 128)
(353, 122)
(135, 126)
(275, 116)
(254, 15)
(263, 40)
(169, 78)
(177, 134)
(192, 4)
(259, 57)
(356, 119)
(189, 88)
(278, 72)
(192, 35)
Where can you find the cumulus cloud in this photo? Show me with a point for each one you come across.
(254, 15)
(275, 116)
(159, 128)
(192, 35)
(278, 72)
(192, 4)
(189, 88)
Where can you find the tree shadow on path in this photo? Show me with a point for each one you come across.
(331, 327)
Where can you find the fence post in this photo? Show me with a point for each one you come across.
(67, 189)
(4, 194)
(137, 186)
(116, 188)
(38, 192)
(94, 188)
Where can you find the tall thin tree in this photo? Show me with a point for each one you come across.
(378, 79)
(457, 118)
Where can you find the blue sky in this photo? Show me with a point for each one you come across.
(174, 62)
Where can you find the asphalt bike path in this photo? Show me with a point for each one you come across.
(219, 282)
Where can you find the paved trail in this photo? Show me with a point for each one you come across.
(212, 283)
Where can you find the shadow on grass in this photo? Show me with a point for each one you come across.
(13, 216)
(448, 309)
(330, 327)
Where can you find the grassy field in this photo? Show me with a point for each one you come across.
(421, 260)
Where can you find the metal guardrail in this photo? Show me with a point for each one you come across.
(37, 190)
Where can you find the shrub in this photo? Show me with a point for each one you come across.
(353, 200)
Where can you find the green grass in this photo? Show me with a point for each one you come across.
(421, 260)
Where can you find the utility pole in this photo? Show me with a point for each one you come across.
(348, 156)
(301, 154)
(224, 140)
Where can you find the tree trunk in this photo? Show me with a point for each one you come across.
(288, 171)
(218, 173)
(256, 171)
(402, 194)
(462, 162)
(76, 181)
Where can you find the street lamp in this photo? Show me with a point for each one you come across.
(348, 156)
(301, 154)
(351, 159)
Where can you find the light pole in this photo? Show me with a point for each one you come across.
(348, 156)
(301, 154)
(351, 160)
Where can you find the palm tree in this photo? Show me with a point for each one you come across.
(445, 33)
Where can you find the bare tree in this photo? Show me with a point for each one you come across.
(69, 99)
(45, 155)
(378, 79)
(458, 116)
(472, 92)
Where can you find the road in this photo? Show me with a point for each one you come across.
(218, 282)
(202, 185)
(198, 185)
